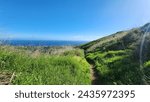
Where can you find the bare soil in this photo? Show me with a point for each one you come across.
(5, 78)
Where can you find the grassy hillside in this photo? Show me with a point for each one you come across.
(113, 60)
(34, 65)
(116, 58)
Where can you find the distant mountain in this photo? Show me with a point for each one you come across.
(117, 57)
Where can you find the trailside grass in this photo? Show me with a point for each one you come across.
(116, 67)
(67, 68)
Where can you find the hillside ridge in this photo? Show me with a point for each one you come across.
(116, 57)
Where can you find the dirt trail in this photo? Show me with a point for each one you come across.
(5, 78)
(95, 76)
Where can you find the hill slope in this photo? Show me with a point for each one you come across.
(20, 65)
(121, 58)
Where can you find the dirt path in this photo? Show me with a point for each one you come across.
(95, 76)
(5, 78)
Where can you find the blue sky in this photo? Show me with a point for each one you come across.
(70, 19)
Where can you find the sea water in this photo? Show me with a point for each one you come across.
(42, 42)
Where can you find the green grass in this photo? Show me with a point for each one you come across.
(116, 58)
(115, 67)
(43, 69)
(147, 71)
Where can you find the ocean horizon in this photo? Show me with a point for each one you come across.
(41, 42)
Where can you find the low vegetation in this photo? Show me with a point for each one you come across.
(116, 58)
(34, 66)
(116, 67)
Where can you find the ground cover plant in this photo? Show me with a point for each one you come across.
(40, 68)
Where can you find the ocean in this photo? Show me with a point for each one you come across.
(41, 42)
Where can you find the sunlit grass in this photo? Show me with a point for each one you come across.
(116, 67)
(67, 68)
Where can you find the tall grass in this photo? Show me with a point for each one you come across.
(147, 71)
(45, 69)
(116, 67)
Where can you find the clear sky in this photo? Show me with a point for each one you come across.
(70, 19)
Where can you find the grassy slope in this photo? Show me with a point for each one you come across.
(116, 57)
(63, 67)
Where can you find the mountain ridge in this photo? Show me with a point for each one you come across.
(117, 55)
(146, 27)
